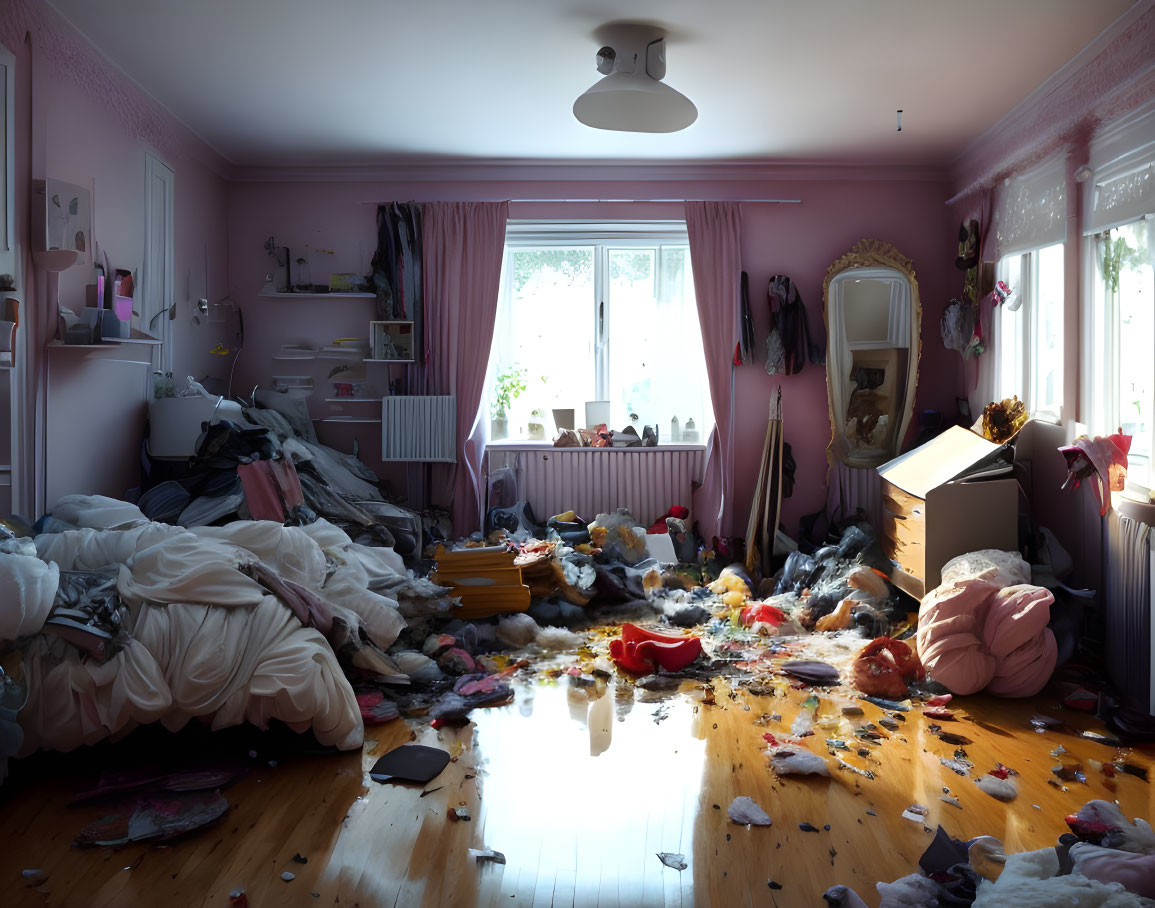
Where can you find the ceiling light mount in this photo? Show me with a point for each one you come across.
(631, 96)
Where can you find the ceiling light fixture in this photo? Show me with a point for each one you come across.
(632, 96)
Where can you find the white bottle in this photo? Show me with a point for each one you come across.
(674, 434)
(690, 436)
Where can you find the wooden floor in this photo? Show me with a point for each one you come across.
(580, 788)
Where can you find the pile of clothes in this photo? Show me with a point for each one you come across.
(1106, 861)
(116, 621)
(270, 466)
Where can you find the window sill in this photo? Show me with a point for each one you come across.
(1129, 504)
(549, 446)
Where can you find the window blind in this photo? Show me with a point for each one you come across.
(1121, 187)
(1031, 208)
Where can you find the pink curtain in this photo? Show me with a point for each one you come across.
(715, 231)
(462, 248)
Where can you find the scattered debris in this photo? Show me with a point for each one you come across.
(787, 760)
(300, 859)
(676, 861)
(33, 877)
(806, 827)
(154, 817)
(916, 813)
(998, 784)
(410, 763)
(288, 877)
(745, 812)
(487, 855)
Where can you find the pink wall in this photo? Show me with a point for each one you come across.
(798, 240)
(89, 125)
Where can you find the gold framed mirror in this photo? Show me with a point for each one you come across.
(873, 325)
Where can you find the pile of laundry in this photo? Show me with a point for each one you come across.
(269, 465)
(114, 621)
(1105, 860)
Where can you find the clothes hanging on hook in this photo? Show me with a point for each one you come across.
(793, 327)
(744, 349)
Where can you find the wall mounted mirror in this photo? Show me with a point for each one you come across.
(873, 320)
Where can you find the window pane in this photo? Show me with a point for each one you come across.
(656, 365)
(545, 332)
(1136, 390)
(1009, 337)
(1047, 333)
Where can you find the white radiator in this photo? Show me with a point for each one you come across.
(419, 429)
(1128, 569)
(598, 480)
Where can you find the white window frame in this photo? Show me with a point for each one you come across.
(1025, 284)
(1101, 349)
(605, 237)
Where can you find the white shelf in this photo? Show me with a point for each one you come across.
(273, 294)
(352, 400)
(138, 337)
(295, 359)
(347, 419)
(368, 360)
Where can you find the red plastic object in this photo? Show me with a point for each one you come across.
(631, 633)
(762, 613)
(677, 510)
(626, 655)
(641, 651)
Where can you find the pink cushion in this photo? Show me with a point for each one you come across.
(972, 635)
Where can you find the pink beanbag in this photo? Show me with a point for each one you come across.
(974, 634)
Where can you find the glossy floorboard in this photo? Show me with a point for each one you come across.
(580, 788)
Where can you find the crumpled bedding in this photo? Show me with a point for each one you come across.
(985, 628)
(205, 640)
(1032, 879)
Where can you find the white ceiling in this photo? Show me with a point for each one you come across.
(361, 82)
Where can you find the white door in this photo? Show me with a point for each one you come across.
(157, 277)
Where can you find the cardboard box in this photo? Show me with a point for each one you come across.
(953, 495)
(485, 579)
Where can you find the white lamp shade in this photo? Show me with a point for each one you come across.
(634, 102)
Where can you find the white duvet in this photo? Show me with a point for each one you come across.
(207, 641)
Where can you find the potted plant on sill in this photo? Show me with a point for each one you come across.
(510, 384)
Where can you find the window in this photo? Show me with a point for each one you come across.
(1122, 338)
(1030, 338)
(597, 312)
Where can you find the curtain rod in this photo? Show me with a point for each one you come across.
(639, 201)
(766, 201)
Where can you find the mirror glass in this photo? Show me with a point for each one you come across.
(873, 320)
